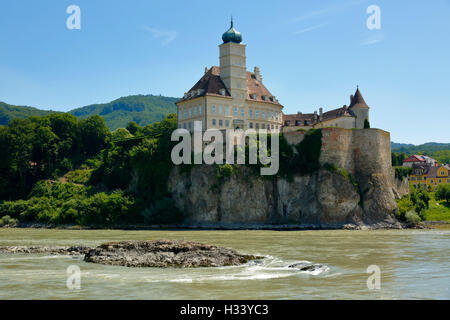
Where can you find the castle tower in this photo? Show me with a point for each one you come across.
(233, 66)
(359, 108)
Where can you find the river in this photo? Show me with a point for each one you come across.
(413, 264)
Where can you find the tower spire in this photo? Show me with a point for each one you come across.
(232, 21)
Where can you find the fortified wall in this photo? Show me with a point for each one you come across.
(359, 151)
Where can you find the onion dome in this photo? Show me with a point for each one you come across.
(232, 35)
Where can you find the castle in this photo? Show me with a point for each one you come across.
(230, 97)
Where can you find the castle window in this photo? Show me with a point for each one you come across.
(220, 109)
(200, 110)
(263, 115)
(306, 123)
(190, 113)
(257, 126)
(235, 111)
(242, 112)
(195, 111)
(226, 111)
(272, 116)
(222, 92)
(184, 113)
(263, 126)
(179, 114)
(220, 123)
(256, 113)
(184, 125)
(251, 125)
(250, 113)
(287, 122)
(297, 123)
(213, 122)
(227, 123)
(190, 125)
(213, 109)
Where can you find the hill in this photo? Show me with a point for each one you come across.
(9, 112)
(438, 151)
(426, 147)
(143, 109)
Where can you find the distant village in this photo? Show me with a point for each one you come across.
(427, 172)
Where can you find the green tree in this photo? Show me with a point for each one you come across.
(366, 124)
(443, 192)
(134, 128)
(94, 135)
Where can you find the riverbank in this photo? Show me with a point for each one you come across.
(284, 227)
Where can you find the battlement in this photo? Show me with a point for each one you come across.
(359, 151)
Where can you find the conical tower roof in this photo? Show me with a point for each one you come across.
(358, 100)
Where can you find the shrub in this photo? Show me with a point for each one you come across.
(225, 170)
(404, 205)
(402, 172)
(8, 221)
(162, 212)
(309, 150)
(347, 175)
(412, 217)
(443, 192)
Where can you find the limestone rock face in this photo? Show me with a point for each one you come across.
(324, 199)
(401, 187)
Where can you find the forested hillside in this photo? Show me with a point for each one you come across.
(438, 151)
(142, 109)
(9, 112)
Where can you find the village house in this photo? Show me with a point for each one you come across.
(419, 160)
(428, 176)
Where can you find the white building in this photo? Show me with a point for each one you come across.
(228, 96)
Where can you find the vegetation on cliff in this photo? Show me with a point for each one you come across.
(58, 169)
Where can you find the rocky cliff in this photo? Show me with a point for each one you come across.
(353, 188)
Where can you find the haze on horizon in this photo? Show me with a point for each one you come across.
(310, 54)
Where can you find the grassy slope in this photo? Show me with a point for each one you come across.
(438, 210)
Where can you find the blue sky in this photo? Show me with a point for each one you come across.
(311, 54)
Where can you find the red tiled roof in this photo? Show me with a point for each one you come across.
(258, 90)
(313, 119)
(212, 84)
